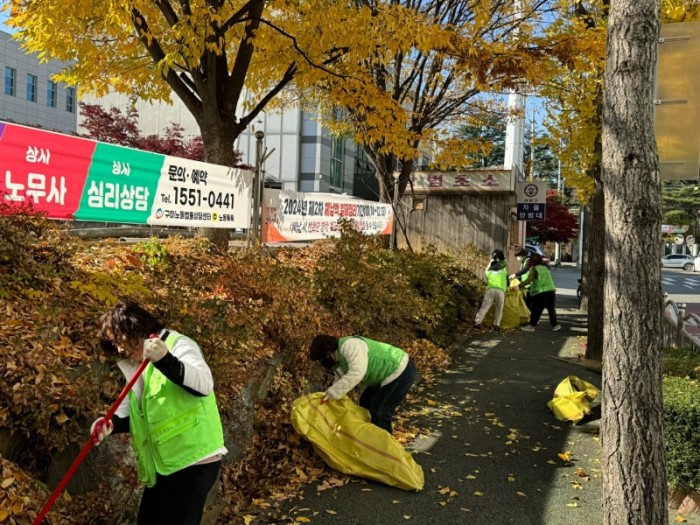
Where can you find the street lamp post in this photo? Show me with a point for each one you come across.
(394, 201)
(257, 186)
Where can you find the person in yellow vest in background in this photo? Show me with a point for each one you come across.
(171, 413)
(386, 371)
(521, 275)
(542, 293)
(496, 283)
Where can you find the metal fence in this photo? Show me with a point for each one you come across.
(680, 330)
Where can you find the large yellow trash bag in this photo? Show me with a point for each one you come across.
(573, 399)
(343, 435)
(515, 311)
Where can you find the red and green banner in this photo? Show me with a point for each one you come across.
(73, 178)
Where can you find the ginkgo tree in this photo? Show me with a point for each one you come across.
(226, 60)
(575, 121)
(437, 82)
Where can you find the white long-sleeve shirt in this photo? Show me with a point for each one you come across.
(197, 376)
(356, 354)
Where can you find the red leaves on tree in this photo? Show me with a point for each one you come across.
(560, 225)
(116, 127)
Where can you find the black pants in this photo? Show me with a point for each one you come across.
(538, 303)
(381, 401)
(178, 499)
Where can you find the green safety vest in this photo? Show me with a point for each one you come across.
(382, 360)
(544, 281)
(171, 429)
(497, 279)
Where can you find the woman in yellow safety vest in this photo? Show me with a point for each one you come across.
(496, 283)
(386, 371)
(171, 413)
(542, 293)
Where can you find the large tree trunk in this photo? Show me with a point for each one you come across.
(634, 476)
(218, 148)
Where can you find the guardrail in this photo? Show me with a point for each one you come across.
(680, 330)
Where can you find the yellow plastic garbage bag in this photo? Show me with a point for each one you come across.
(515, 311)
(341, 432)
(573, 399)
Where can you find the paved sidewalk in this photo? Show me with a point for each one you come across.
(490, 448)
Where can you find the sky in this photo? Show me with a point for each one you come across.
(3, 19)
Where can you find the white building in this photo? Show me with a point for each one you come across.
(29, 96)
(304, 156)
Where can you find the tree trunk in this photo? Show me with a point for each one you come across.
(634, 476)
(594, 276)
(218, 149)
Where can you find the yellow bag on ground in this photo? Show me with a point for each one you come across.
(573, 399)
(341, 432)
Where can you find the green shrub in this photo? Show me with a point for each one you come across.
(680, 362)
(681, 423)
(153, 253)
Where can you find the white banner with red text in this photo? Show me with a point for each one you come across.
(295, 216)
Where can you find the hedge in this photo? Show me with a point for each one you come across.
(681, 424)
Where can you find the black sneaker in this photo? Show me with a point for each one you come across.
(477, 326)
(496, 329)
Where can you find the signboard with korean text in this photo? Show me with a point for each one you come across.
(294, 216)
(674, 228)
(468, 181)
(74, 178)
(532, 200)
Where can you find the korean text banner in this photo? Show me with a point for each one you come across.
(293, 216)
(73, 178)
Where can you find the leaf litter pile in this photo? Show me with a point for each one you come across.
(252, 311)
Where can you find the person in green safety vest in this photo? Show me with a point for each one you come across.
(542, 293)
(171, 413)
(386, 371)
(521, 275)
(496, 283)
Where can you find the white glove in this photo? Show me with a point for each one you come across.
(100, 429)
(154, 349)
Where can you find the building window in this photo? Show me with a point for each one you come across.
(337, 155)
(31, 87)
(51, 93)
(10, 75)
(70, 100)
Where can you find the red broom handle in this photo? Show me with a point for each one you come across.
(88, 445)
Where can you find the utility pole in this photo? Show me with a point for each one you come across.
(560, 190)
(532, 147)
(394, 203)
(258, 185)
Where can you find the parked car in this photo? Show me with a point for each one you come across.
(678, 260)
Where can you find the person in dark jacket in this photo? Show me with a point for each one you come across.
(524, 260)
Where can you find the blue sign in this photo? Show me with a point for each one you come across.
(531, 211)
